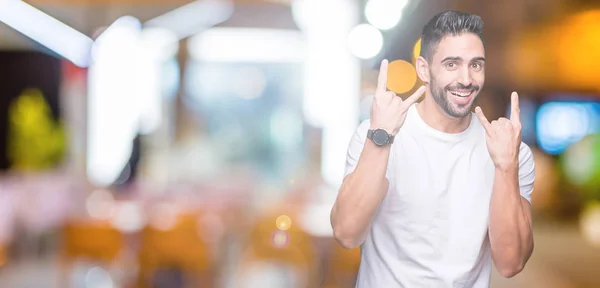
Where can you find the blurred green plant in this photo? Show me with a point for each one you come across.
(35, 141)
(581, 166)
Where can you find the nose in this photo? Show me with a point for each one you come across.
(464, 76)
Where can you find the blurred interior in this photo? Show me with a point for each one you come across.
(154, 143)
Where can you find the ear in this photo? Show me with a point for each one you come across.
(422, 69)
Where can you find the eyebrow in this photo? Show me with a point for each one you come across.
(460, 59)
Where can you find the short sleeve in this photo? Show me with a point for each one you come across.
(526, 171)
(356, 146)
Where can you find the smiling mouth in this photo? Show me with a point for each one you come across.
(461, 93)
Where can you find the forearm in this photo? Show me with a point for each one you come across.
(510, 227)
(360, 196)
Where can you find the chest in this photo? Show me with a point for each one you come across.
(440, 183)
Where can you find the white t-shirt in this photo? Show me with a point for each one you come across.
(431, 230)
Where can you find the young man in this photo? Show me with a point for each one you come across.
(434, 193)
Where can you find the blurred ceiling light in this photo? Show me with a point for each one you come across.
(329, 102)
(113, 115)
(124, 28)
(156, 46)
(324, 15)
(250, 45)
(160, 43)
(196, 16)
(384, 14)
(365, 41)
(46, 30)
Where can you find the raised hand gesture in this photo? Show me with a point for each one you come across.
(388, 111)
(503, 136)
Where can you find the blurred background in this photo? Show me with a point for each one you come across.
(154, 143)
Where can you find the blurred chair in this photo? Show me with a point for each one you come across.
(98, 242)
(342, 267)
(3, 254)
(292, 248)
(180, 246)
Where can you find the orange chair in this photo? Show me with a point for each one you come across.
(95, 241)
(180, 246)
(293, 247)
(3, 256)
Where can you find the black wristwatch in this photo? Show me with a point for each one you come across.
(380, 137)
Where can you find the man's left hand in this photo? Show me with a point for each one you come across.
(503, 136)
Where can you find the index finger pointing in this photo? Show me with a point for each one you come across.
(382, 80)
(515, 112)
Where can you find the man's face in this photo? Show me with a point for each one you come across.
(457, 73)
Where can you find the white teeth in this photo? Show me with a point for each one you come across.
(459, 94)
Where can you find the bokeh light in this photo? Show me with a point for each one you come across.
(98, 278)
(365, 41)
(128, 217)
(280, 239)
(581, 163)
(577, 50)
(283, 222)
(163, 216)
(561, 123)
(401, 76)
(100, 204)
(417, 50)
(590, 223)
(384, 14)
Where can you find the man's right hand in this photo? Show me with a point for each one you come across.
(388, 111)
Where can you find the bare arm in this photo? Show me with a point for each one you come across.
(360, 195)
(364, 189)
(510, 226)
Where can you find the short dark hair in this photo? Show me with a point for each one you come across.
(449, 23)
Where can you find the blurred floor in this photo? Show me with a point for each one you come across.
(561, 260)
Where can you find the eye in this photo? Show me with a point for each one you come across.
(451, 65)
(476, 66)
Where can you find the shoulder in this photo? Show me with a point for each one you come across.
(364, 126)
(360, 132)
(525, 155)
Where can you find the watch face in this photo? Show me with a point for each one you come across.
(380, 137)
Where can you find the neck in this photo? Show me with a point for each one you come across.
(434, 116)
